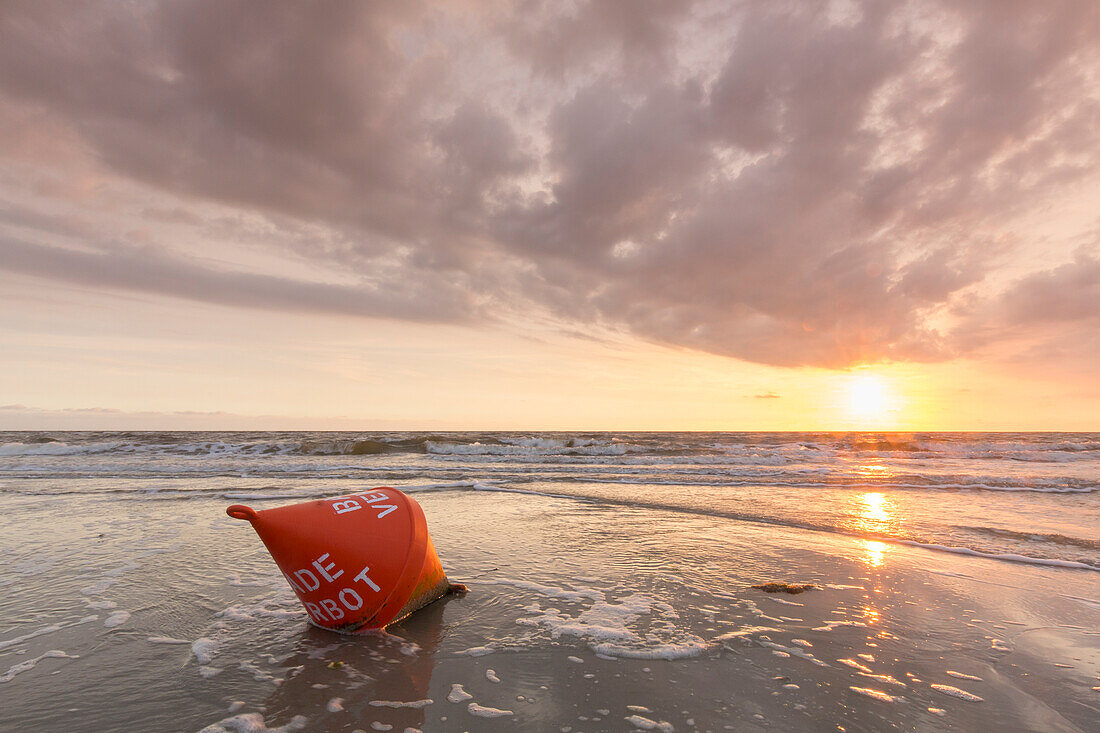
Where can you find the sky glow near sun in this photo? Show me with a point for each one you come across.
(565, 216)
(869, 399)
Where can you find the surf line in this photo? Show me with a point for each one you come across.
(1003, 557)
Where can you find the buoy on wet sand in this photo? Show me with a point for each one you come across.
(356, 562)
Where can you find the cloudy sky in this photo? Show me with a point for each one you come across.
(577, 215)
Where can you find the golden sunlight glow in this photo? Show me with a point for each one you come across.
(875, 551)
(872, 470)
(868, 397)
(874, 504)
(874, 513)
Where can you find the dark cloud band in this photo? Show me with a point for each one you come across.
(792, 184)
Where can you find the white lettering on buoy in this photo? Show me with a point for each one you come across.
(351, 503)
(363, 577)
(330, 605)
(376, 497)
(312, 583)
(346, 602)
(295, 586)
(342, 507)
(324, 569)
(327, 610)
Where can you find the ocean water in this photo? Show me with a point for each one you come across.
(611, 584)
(1027, 497)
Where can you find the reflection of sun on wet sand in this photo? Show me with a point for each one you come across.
(875, 552)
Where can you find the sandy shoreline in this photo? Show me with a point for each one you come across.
(591, 618)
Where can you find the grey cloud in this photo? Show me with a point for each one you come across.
(148, 270)
(1070, 292)
(556, 38)
(1051, 318)
(810, 193)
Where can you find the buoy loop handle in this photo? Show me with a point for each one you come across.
(240, 511)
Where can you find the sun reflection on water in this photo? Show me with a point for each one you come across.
(874, 552)
(874, 514)
(872, 470)
(874, 507)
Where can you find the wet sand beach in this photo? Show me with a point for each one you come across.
(168, 615)
(610, 587)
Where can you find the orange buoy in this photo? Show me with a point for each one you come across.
(356, 562)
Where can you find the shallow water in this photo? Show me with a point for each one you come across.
(143, 607)
(1035, 495)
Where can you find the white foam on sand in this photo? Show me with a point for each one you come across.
(258, 674)
(605, 625)
(30, 664)
(37, 632)
(660, 651)
(646, 724)
(117, 619)
(885, 678)
(486, 712)
(876, 694)
(791, 651)
(458, 694)
(743, 633)
(550, 591)
(286, 607)
(204, 649)
(397, 704)
(856, 665)
(956, 692)
(830, 625)
(253, 723)
(100, 586)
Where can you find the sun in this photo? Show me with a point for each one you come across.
(868, 397)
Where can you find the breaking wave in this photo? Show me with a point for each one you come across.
(999, 495)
